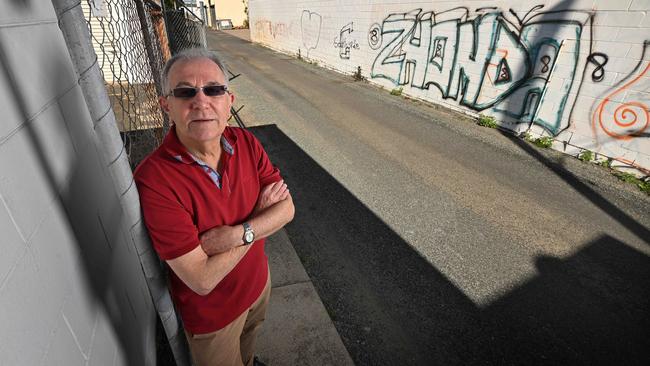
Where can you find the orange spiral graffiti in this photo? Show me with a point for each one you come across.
(625, 112)
(631, 114)
(626, 109)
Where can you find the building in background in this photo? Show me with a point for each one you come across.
(224, 14)
(197, 8)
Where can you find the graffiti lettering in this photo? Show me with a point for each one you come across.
(533, 68)
(504, 72)
(599, 60)
(266, 29)
(344, 44)
(374, 36)
(514, 57)
(545, 60)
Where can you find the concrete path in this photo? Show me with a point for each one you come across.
(298, 330)
(431, 240)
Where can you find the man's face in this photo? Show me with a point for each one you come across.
(201, 118)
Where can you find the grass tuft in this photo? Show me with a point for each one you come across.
(632, 179)
(487, 121)
(586, 156)
(397, 91)
(543, 142)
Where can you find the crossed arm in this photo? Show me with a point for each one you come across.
(222, 247)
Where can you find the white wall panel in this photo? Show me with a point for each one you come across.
(72, 291)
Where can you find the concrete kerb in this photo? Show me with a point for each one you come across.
(297, 329)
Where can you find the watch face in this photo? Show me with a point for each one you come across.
(249, 237)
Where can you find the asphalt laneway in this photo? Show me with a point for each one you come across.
(431, 240)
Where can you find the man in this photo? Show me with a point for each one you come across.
(210, 196)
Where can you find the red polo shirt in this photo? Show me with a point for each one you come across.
(180, 201)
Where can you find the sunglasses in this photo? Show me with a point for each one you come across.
(187, 92)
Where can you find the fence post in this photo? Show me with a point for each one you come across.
(152, 51)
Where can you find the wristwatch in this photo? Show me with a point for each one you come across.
(249, 234)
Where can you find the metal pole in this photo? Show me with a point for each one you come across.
(169, 39)
(145, 25)
(152, 53)
(211, 15)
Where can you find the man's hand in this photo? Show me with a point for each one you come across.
(221, 239)
(270, 195)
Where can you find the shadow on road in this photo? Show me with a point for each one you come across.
(392, 307)
(589, 193)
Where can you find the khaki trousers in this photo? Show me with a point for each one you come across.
(233, 345)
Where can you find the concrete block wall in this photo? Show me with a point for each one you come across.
(72, 290)
(575, 70)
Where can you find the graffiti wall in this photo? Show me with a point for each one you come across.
(576, 71)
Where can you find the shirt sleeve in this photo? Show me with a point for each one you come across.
(170, 225)
(267, 172)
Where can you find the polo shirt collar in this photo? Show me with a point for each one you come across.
(173, 147)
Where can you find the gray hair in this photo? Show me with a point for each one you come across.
(190, 54)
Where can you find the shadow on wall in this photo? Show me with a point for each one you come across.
(546, 54)
(548, 16)
(392, 307)
(87, 194)
(22, 3)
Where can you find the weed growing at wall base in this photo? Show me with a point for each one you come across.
(487, 121)
(631, 178)
(544, 142)
(526, 136)
(645, 187)
(607, 163)
(586, 156)
(357, 74)
(642, 184)
(396, 91)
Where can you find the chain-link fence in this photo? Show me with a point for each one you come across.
(184, 27)
(132, 40)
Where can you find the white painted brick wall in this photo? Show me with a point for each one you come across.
(639, 5)
(614, 28)
(72, 291)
